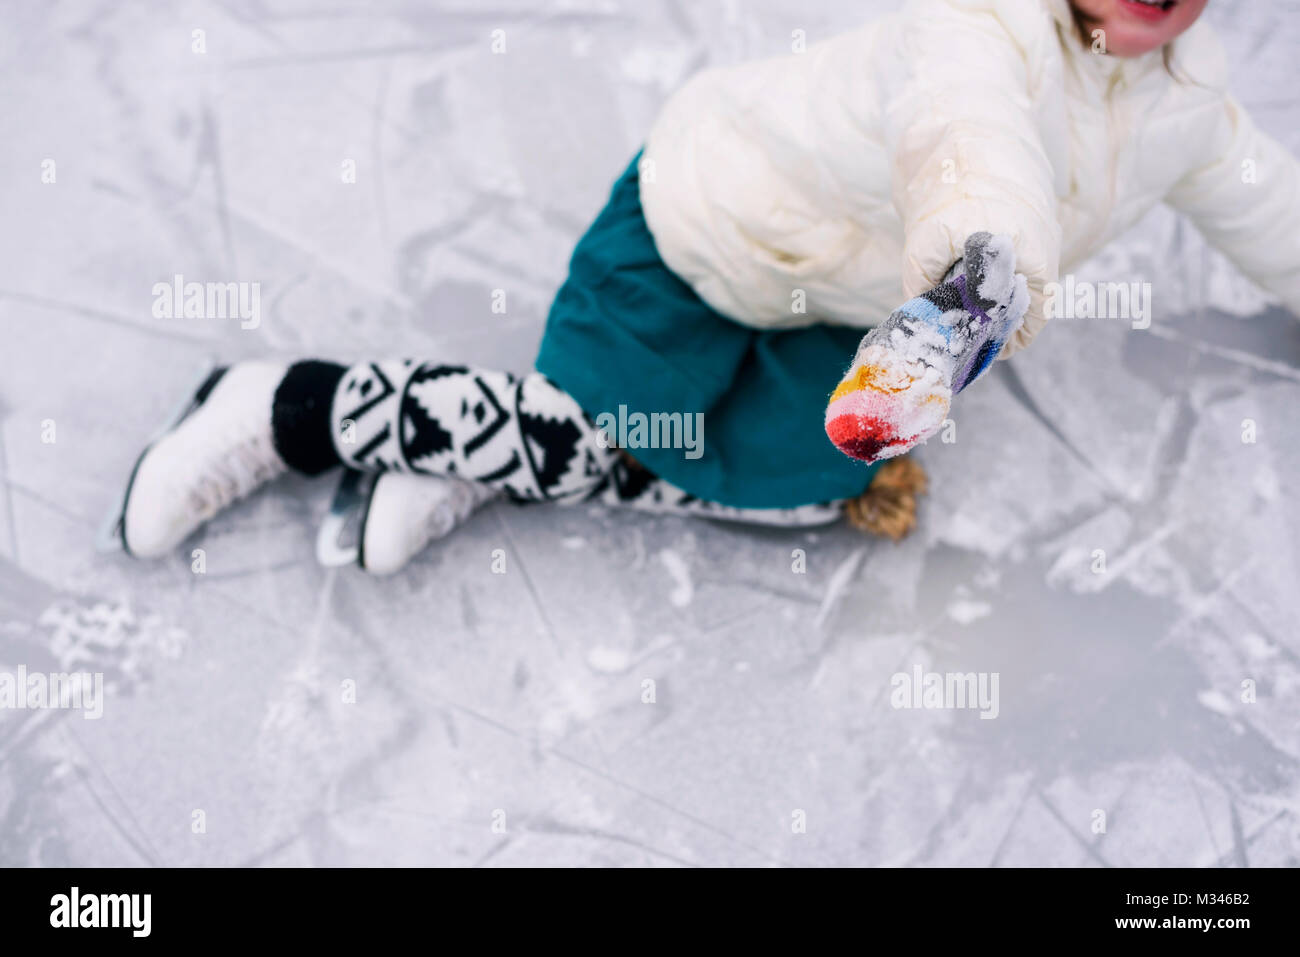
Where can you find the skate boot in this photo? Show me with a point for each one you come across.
(216, 451)
(393, 516)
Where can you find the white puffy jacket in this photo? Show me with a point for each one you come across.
(844, 179)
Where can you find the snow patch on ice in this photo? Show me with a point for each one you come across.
(1257, 646)
(683, 590)
(108, 636)
(571, 705)
(661, 67)
(1215, 700)
(609, 661)
(966, 610)
(1266, 484)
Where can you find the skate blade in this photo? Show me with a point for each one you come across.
(109, 538)
(339, 540)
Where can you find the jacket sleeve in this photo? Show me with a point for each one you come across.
(1245, 199)
(967, 154)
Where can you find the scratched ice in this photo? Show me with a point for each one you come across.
(633, 690)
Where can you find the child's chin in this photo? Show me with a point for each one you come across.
(1126, 38)
(1128, 47)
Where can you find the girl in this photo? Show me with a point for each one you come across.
(777, 209)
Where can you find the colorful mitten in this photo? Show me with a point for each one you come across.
(897, 392)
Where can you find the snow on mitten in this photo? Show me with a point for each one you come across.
(897, 392)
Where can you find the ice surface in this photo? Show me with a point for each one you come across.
(632, 690)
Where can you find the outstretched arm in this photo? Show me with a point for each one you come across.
(1245, 199)
(967, 154)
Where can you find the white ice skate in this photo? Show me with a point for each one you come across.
(381, 522)
(217, 450)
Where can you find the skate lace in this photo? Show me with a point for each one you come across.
(246, 464)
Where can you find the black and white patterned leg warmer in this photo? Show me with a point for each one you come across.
(525, 437)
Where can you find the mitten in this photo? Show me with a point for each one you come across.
(900, 386)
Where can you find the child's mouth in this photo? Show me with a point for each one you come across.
(1150, 10)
